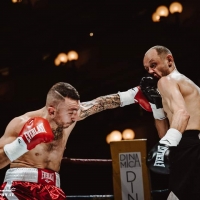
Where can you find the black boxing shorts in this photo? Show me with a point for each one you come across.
(184, 180)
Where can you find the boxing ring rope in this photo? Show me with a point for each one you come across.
(87, 161)
(79, 161)
(104, 162)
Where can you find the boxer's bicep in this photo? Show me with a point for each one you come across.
(10, 133)
(99, 104)
(9, 136)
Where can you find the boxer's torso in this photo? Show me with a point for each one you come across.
(44, 155)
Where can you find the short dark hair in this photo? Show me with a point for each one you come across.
(61, 90)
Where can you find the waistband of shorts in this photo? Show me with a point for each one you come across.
(35, 175)
(191, 133)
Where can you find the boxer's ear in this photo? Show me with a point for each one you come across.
(170, 60)
(51, 111)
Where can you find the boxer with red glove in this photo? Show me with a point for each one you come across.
(35, 131)
(134, 95)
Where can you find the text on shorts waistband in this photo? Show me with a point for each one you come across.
(41, 176)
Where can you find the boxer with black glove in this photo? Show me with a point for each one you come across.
(158, 157)
(148, 87)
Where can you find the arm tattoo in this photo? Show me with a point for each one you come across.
(99, 104)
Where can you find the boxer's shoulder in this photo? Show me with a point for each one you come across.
(14, 126)
(17, 123)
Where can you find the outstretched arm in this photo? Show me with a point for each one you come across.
(111, 101)
(99, 104)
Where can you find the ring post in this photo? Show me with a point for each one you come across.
(130, 173)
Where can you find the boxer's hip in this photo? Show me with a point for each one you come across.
(31, 183)
(34, 175)
(191, 134)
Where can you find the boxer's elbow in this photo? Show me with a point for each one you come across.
(4, 160)
(184, 114)
(180, 120)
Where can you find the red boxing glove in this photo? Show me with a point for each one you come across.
(134, 95)
(143, 102)
(35, 131)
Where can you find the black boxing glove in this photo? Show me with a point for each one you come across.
(158, 159)
(148, 87)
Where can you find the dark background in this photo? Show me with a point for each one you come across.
(33, 32)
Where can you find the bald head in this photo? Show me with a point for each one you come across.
(161, 50)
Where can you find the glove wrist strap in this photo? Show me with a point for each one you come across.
(15, 149)
(172, 137)
(158, 113)
(127, 97)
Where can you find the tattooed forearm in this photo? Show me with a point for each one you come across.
(99, 104)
